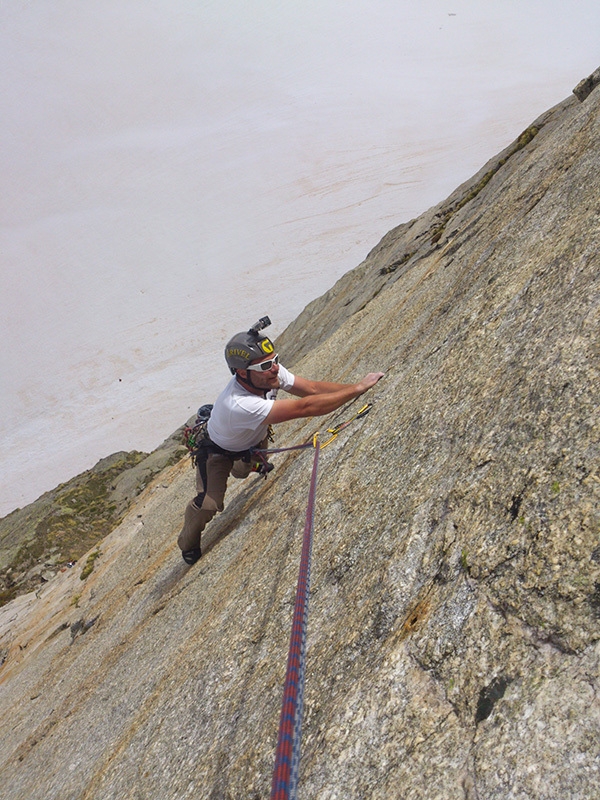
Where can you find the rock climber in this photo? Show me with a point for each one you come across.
(241, 418)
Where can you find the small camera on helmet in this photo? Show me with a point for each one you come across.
(262, 323)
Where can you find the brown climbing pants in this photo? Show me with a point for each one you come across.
(218, 469)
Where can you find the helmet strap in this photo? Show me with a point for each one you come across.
(248, 383)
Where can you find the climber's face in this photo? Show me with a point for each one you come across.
(264, 372)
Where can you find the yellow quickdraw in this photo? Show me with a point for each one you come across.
(337, 428)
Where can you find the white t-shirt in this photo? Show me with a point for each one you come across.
(237, 420)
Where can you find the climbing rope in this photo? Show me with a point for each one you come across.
(287, 757)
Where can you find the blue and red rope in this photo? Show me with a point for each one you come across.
(287, 756)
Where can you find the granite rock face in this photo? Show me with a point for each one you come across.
(585, 87)
(454, 618)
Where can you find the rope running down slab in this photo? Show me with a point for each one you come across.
(287, 757)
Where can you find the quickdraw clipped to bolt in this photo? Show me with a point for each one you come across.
(337, 428)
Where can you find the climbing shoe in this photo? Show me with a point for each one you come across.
(191, 556)
(262, 467)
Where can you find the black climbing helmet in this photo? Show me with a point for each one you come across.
(245, 347)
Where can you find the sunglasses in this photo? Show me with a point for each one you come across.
(264, 365)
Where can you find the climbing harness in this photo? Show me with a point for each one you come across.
(194, 434)
(287, 756)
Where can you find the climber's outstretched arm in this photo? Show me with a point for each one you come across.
(315, 404)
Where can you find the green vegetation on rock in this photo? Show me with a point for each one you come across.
(89, 564)
(63, 524)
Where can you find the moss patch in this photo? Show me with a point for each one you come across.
(69, 520)
(524, 139)
(89, 564)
